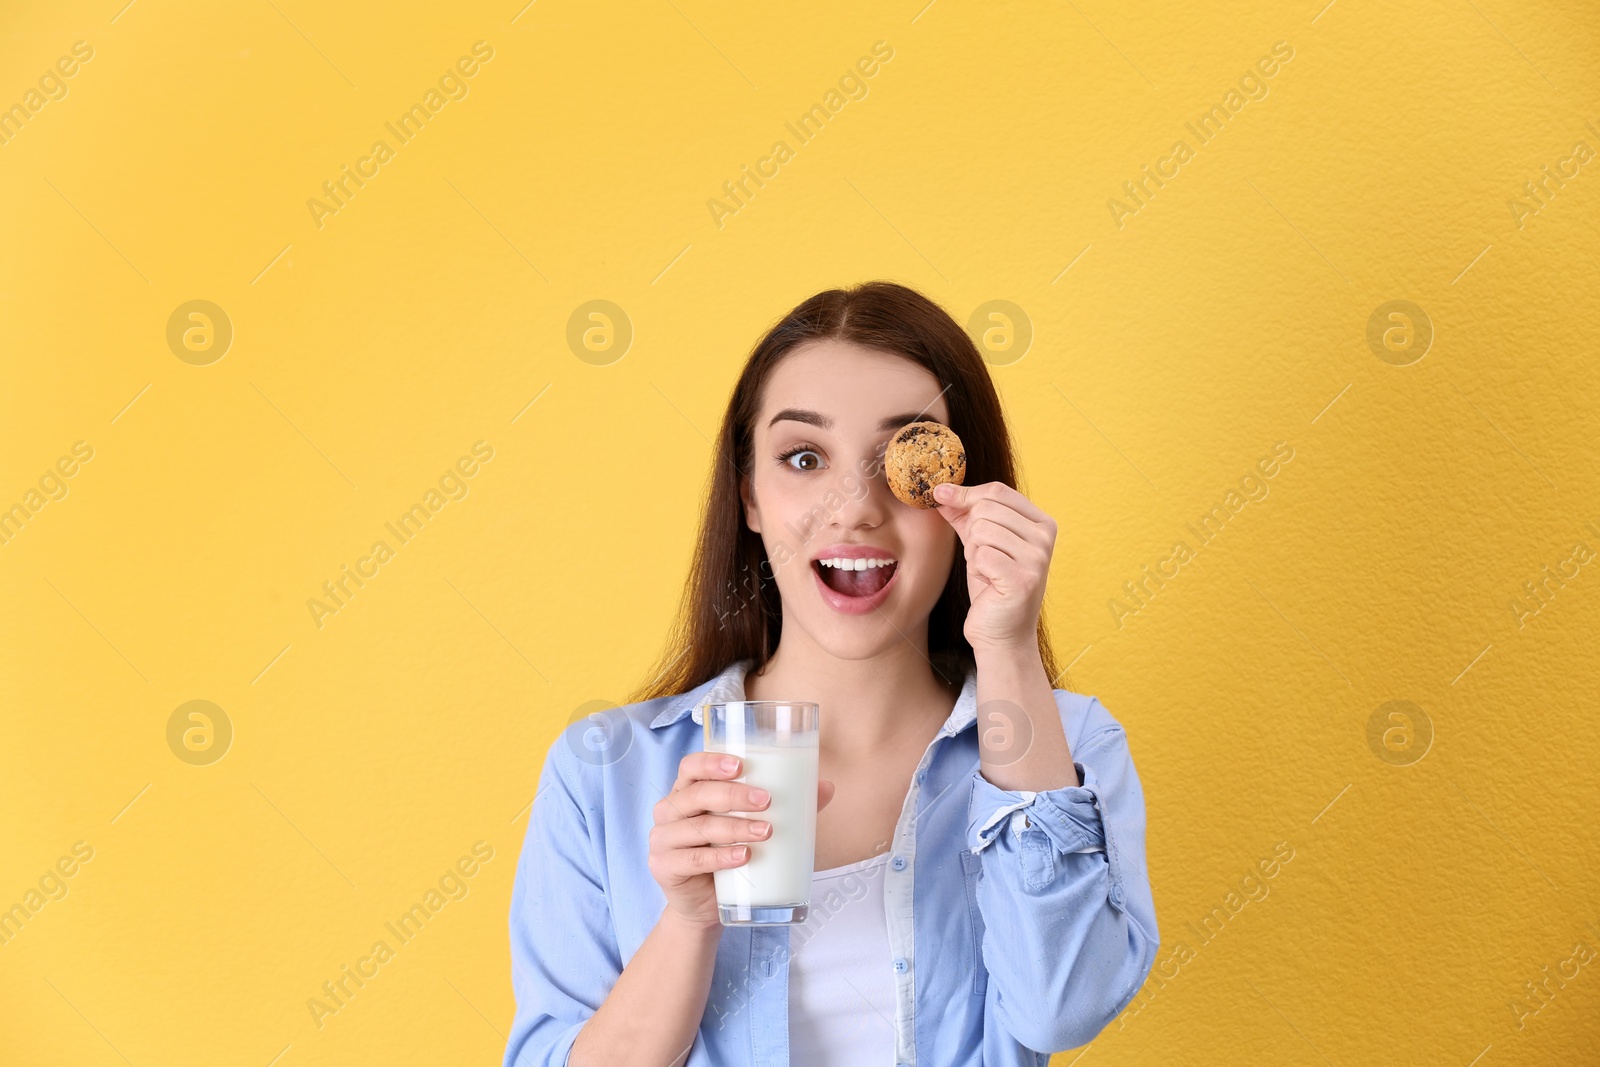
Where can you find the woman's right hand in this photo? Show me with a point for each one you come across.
(694, 835)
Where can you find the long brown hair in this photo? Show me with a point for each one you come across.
(730, 608)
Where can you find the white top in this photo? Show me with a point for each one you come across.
(841, 974)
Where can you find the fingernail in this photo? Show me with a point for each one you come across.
(759, 795)
(762, 827)
(729, 763)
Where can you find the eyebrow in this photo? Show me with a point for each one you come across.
(816, 418)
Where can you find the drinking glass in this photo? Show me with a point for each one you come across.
(777, 742)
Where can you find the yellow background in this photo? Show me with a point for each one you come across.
(1229, 313)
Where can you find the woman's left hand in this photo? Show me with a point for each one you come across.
(1008, 542)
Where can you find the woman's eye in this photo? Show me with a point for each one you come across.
(804, 460)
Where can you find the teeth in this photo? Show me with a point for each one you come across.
(855, 564)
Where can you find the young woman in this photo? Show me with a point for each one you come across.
(980, 893)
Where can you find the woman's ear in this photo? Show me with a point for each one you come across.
(752, 516)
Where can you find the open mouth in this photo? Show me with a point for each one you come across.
(855, 577)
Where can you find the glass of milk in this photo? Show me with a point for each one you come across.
(777, 742)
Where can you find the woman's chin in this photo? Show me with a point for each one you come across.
(869, 641)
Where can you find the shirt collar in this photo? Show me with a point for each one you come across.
(729, 685)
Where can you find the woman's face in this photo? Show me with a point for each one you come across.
(816, 492)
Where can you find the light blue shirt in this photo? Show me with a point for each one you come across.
(1020, 923)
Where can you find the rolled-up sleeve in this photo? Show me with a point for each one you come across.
(1069, 919)
(564, 956)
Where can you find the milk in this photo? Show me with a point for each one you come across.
(779, 869)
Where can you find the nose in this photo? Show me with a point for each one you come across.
(864, 492)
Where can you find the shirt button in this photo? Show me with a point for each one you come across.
(922, 772)
(1116, 895)
(898, 863)
(899, 965)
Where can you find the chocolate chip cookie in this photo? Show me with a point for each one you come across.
(919, 457)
